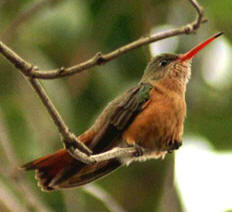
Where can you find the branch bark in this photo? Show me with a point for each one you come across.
(31, 73)
(22, 18)
(99, 58)
(103, 196)
(16, 178)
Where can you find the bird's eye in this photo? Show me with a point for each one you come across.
(163, 62)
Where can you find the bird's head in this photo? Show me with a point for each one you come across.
(176, 67)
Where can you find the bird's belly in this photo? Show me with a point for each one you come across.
(159, 123)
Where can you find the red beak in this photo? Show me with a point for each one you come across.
(190, 54)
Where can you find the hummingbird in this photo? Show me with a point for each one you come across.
(149, 115)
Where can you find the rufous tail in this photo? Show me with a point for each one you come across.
(60, 170)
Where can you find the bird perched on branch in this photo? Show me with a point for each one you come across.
(149, 116)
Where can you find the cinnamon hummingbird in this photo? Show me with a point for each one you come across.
(149, 116)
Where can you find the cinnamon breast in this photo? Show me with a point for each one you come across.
(160, 122)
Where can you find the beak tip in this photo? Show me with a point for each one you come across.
(218, 34)
(190, 54)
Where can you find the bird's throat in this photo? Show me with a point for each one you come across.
(176, 82)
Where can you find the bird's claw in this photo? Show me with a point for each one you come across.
(139, 151)
(173, 145)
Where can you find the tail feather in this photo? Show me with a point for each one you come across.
(59, 170)
(85, 175)
(48, 167)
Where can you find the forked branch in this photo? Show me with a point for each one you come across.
(22, 18)
(75, 147)
(100, 58)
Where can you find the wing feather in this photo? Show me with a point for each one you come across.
(123, 114)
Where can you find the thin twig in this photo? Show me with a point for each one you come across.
(32, 72)
(2, 2)
(22, 18)
(100, 58)
(10, 200)
(103, 196)
(20, 183)
(59, 122)
(16, 177)
(32, 201)
(26, 68)
(200, 13)
(67, 136)
(5, 142)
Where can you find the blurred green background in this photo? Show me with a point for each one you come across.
(64, 33)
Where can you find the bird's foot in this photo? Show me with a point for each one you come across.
(173, 145)
(119, 153)
(76, 150)
(139, 151)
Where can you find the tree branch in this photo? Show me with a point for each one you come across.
(100, 58)
(103, 196)
(68, 138)
(22, 18)
(16, 178)
(31, 72)
(9, 199)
